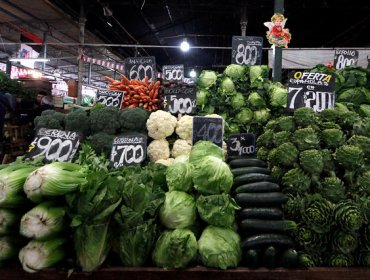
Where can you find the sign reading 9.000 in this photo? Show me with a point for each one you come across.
(54, 145)
(310, 89)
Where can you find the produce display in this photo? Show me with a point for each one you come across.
(303, 201)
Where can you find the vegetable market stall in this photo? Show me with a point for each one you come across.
(194, 274)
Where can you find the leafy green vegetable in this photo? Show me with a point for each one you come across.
(236, 72)
(175, 249)
(296, 181)
(78, 120)
(99, 117)
(237, 101)
(219, 247)
(257, 74)
(202, 96)
(178, 210)
(278, 95)
(256, 100)
(207, 79)
(306, 138)
(245, 116)
(348, 215)
(133, 120)
(226, 86)
(217, 210)
(101, 142)
(179, 177)
(202, 149)
(344, 241)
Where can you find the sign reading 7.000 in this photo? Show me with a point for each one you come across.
(54, 145)
(137, 68)
(310, 89)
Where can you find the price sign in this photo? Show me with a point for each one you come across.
(241, 144)
(109, 97)
(128, 149)
(137, 68)
(208, 129)
(313, 90)
(173, 72)
(246, 50)
(180, 100)
(54, 145)
(343, 58)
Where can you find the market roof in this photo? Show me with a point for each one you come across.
(313, 24)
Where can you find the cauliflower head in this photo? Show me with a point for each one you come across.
(158, 149)
(161, 124)
(184, 127)
(180, 147)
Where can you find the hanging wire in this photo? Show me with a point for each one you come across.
(142, 6)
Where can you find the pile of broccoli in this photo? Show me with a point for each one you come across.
(322, 161)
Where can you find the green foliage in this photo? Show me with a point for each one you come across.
(105, 120)
(133, 120)
(305, 138)
(348, 215)
(79, 121)
(101, 142)
(295, 181)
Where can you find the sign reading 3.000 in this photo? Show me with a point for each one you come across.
(310, 89)
(54, 145)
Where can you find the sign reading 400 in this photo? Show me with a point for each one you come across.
(54, 145)
(312, 90)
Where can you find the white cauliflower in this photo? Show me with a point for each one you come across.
(160, 124)
(180, 147)
(213, 116)
(166, 162)
(158, 149)
(184, 127)
(224, 147)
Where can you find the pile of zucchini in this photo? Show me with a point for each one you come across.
(265, 233)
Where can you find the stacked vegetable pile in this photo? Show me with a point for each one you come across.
(322, 163)
(242, 95)
(267, 236)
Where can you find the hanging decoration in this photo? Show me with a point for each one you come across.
(277, 35)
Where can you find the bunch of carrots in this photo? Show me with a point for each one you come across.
(137, 93)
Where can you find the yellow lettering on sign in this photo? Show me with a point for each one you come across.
(297, 75)
(327, 78)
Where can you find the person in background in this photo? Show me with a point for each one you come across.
(7, 103)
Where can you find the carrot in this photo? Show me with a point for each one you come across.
(124, 80)
(116, 83)
(155, 94)
(151, 85)
(132, 106)
(146, 80)
(145, 105)
(109, 79)
(155, 100)
(157, 84)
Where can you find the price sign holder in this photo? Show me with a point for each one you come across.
(54, 145)
(128, 149)
(345, 57)
(309, 89)
(208, 129)
(173, 72)
(109, 97)
(241, 144)
(246, 50)
(137, 68)
(180, 100)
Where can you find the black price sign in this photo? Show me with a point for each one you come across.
(180, 100)
(54, 145)
(343, 58)
(313, 90)
(173, 72)
(246, 50)
(208, 129)
(137, 68)
(241, 144)
(109, 97)
(128, 149)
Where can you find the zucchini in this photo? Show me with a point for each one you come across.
(251, 178)
(269, 257)
(259, 225)
(250, 169)
(258, 187)
(267, 239)
(261, 199)
(261, 213)
(289, 258)
(244, 162)
(251, 258)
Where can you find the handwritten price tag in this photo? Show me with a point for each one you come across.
(246, 50)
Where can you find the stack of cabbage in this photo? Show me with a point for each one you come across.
(242, 95)
(205, 175)
(322, 162)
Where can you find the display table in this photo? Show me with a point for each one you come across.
(194, 274)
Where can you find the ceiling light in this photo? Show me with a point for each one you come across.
(184, 46)
(109, 24)
(30, 59)
(192, 73)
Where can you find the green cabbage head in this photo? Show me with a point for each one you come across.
(175, 249)
(212, 176)
(236, 72)
(219, 247)
(178, 177)
(178, 210)
(207, 79)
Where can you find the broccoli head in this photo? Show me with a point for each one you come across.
(104, 120)
(295, 181)
(333, 137)
(305, 116)
(265, 139)
(306, 138)
(133, 120)
(311, 161)
(49, 119)
(101, 142)
(78, 121)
